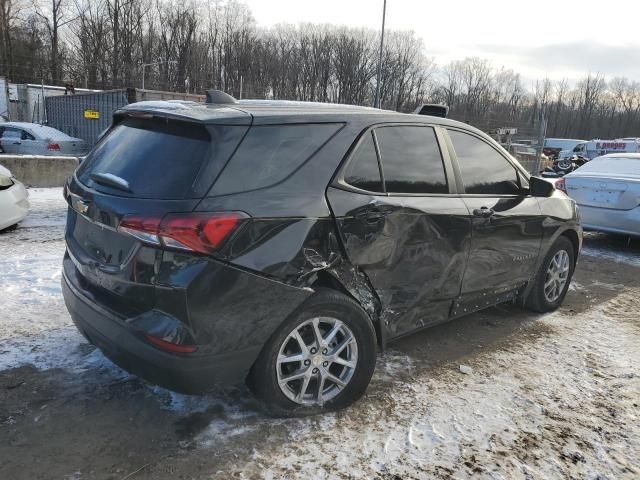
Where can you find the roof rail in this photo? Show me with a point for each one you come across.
(432, 109)
(219, 97)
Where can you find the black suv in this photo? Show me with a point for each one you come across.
(283, 243)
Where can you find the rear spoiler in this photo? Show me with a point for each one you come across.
(432, 109)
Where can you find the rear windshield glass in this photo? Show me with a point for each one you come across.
(155, 157)
(269, 154)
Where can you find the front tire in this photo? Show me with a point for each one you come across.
(553, 278)
(320, 359)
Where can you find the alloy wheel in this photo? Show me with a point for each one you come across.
(557, 276)
(316, 361)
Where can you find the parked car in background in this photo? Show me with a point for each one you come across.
(598, 148)
(34, 139)
(553, 146)
(14, 205)
(607, 191)
(283, 243)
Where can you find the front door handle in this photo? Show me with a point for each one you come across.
(17, 143)
(484, 212)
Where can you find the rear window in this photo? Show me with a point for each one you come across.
(411, 160)
(612, 166)
(269, 154)
(158, 158)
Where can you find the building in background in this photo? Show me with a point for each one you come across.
(23, 102)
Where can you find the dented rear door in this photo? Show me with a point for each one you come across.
(411, 245)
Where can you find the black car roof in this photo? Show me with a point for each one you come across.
(266, 112)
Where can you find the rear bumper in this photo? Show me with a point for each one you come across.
(624, 222)
(192, 373)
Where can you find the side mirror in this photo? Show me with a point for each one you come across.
(539, 187)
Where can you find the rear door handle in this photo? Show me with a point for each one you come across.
(374, 216)
(483, 212)
(371, 215)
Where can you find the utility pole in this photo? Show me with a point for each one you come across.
(376, 102)
(542, 133)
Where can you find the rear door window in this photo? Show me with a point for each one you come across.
(158, 158)
(411, 160)
(270, 153)
(12, 133)
(484, 171)
(363, 170)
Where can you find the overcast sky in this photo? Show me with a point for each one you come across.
(554, 38)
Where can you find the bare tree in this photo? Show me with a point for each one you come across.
(54, 19)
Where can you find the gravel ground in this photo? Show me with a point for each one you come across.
(499, 394)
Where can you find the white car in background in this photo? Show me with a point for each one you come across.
(607, 191)
(14, 205)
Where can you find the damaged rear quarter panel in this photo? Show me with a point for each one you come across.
(291, 236)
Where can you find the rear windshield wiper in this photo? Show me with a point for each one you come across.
(111, 180)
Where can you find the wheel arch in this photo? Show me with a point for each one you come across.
(358, 289)
(573, 237)
(573, 234)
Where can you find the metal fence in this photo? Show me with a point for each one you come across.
(86, 115)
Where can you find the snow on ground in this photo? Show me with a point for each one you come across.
(618, 249)
(30, 262)
(559, 406)
(502, 421)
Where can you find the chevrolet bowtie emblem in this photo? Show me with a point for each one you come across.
(80, 206)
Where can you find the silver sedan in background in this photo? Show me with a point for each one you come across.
(607, 191)
(34, 139)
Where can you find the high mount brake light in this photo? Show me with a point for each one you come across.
(195, 232)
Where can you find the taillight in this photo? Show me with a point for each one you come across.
(561, 185)
(194, 232)
(53, 146)
(142, 228)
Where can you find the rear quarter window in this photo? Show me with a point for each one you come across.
(269, 154)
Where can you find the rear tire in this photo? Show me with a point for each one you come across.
(552, 281)
(333, 364)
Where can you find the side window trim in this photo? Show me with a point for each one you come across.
(379, 159)
(450, 166)
(454, 158)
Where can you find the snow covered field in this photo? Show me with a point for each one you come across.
(551, 396)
